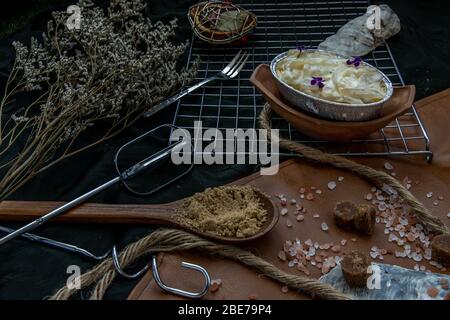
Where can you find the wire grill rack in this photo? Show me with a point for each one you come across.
(283, 25)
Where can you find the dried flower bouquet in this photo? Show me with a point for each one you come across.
(116, 65)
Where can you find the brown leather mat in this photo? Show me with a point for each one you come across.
(238, 282)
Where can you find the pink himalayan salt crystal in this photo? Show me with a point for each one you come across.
(310, 196)
(331, 185)
(284, 289)
(282, 255)
(336, 248)
(343, 242)
(388, 166)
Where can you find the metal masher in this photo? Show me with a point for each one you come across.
(122, 176)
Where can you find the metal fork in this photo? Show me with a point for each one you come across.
(229, 72)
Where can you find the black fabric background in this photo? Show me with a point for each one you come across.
(28, 271)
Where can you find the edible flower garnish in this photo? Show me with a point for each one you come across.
(356, 61)
(300, 49)
(317, 81)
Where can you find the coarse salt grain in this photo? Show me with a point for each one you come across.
(336, 248)
(253, 296)
(343, 242)
(388, 166)
(324, 226)
(282, 255)
(284, 211)
(340, 178)
(433, 292)
(300, 217)
(318, 191)
(288, 223)
(316, 216)
(429, 194)
(310, 196)
(214, 287)
(448, 215)
(435, 203)
(331, 185)
(369, 196)
(284, 289)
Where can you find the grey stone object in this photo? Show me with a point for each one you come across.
(356, 39)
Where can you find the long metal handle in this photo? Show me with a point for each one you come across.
(179, 95)
(69, 205)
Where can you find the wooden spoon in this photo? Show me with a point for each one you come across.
(163, 214)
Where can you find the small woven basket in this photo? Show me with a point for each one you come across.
(207, 19)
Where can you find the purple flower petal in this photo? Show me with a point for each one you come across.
(349, 62)
(313, 82)
(301, 48)
(321, 85)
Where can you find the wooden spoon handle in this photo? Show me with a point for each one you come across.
(89, 212)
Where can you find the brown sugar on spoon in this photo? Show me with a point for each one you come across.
(227, 211)
(354, 268)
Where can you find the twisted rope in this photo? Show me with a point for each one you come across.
(167, 240)
(432, 223)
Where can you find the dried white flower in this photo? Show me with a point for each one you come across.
(116, 65)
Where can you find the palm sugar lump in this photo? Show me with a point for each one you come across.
(354, 268)
(365, 219)
(344, 214)
(227, 211)
(440, 249)
(350, 216)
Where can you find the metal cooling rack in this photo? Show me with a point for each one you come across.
(282, 26)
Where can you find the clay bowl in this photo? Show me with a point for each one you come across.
(330, 130)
